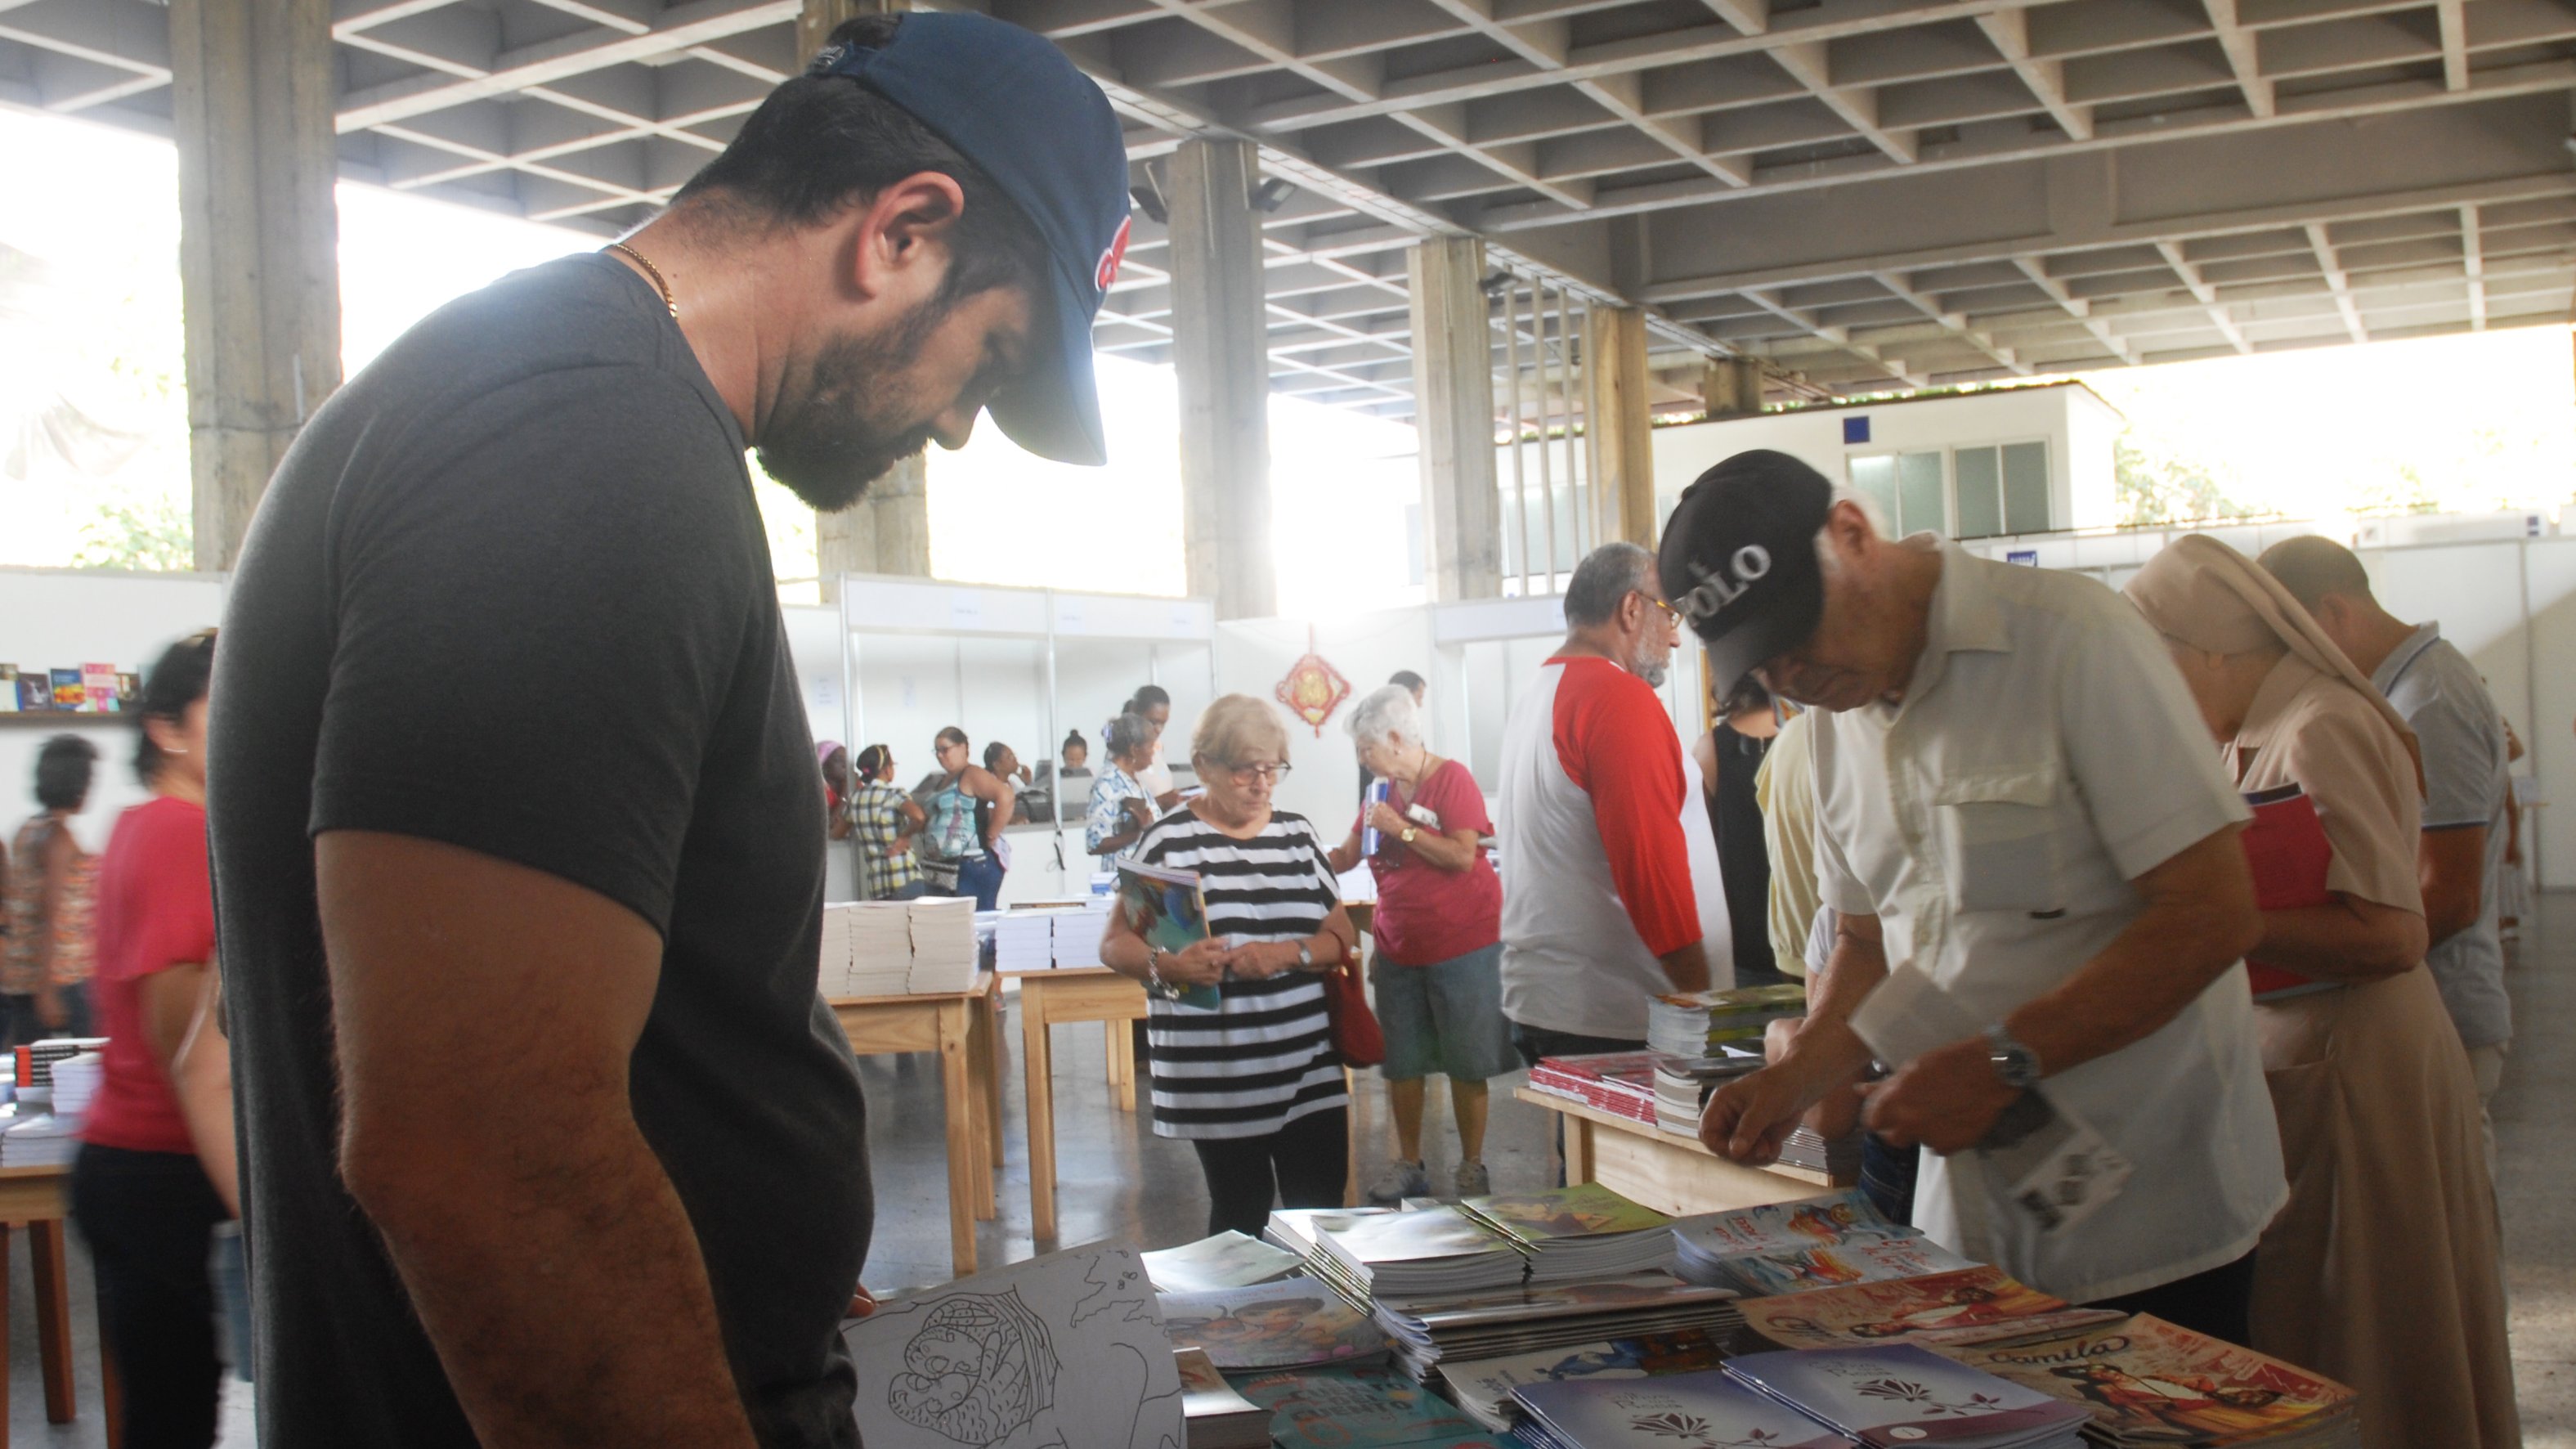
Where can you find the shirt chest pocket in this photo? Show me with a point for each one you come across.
(2000, 838)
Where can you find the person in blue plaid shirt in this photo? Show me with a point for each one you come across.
(1121, 807)
(884, 819)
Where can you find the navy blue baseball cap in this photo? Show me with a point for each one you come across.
(1016, 106)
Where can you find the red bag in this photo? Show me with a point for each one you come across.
(1356, 1035)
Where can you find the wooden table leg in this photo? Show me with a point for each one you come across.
(1124, 1034)
(965, 1154)
(978, 1108)
(995, 1053)
(1037, 1064)
(53, 1317)
(4, 1335)
(1578, 1149)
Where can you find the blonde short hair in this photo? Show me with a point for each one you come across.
(1233, 727)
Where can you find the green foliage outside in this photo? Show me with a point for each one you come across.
(150, 532)
(2158, 484)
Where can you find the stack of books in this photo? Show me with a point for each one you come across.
(1577, 1234)
(867, 949)
(1296, 1323)
(943, 945)
(1415, 1255)
(2146, 1381)
(1973, 1305)
(1619, 1083)
(1228, 1260)
(1484, 1387)
(1213, 1415)
(1022, 940)
(1772, 1248)
(1077, 936)
(1683, 1084)
(1427, 1333)
(76, 1080)
(1299, 1230)
(41, 1141)
(1838, 1158)
(1698, 1023)
(1900, 1393)
(1703, 1410)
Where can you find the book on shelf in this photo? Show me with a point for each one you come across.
(98, 688)
(129, 690)
(1360, 1408)
(2146, 1381)
(1483, 1387)
(1900, 1394)
(1213, 1415)
(1228, 1260)
(1167, 908)
(35, 692)
(8, 689)
(1409, 1255)
(70, 695)
(1695, 1023)
(1582, 1231)
(1707, 1409)
(1977, 1304)
(1295, 1323)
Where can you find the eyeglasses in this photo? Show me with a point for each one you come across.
(1669, 611)
(1246, 774)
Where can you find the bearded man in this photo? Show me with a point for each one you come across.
(1601, 914)
(547, 1137)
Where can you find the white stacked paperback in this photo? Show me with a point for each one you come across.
(1077, 936)
(880, 935)
(943, 945)
(1412, 1255)
(76, 1081)
(1898, 1393)
(46, 1141)
(1022, 940)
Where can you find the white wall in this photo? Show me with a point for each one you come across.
(52, 618)
(1253, 655)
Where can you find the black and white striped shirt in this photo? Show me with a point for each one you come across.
(1264, 1057)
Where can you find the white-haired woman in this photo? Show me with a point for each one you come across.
(1251, 1082)
(1439, 939)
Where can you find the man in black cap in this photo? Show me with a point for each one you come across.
(548, 1138)
(2018, 809)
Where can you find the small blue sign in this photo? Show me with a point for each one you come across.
(2028, 556)
(1856, 430)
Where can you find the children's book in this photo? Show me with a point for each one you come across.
(1360, 1408)
(1584, 1209)
(1166, 908)
(1483, 1387)
(1703, 1410)
(69, 692)
(1979, 1304)
(2147, 1381)
(1297, 1323)
(98, 688)
(1769, 1274)
(1901, 1395)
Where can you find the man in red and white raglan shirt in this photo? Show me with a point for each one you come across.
(1598, 909)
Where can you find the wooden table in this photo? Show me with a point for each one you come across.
(1665, 1170)
(965, 1029)
(1057, 998)
(40, 1198)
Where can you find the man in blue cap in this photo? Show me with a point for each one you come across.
(547, 1137)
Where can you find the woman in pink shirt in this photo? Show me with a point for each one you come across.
(1439, 939)
(139, 1194)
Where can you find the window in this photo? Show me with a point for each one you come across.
(2002, 489)
(1907, 487)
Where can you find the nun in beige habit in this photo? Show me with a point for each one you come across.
(2383, 1271)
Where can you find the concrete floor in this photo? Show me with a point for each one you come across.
(1120, 1182)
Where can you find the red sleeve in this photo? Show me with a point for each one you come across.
(1452, 794)
(1613, 739)
(176, 925)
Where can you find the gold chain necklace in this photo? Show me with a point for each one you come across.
(653, 272)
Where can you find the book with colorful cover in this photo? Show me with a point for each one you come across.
(1483, 1387)
(1703, 1410)
(2285, 845)
(1228, 1260)
(1167, 908)
(98, 688)
(1293, 1324)
(1771, 1274)
(1898, 1394)
(1787, 1227)
(2146, 1381)
(1977, 1304)
(69, 693)
(1360, 1408)
(1622, 1083)
(1584, 1209)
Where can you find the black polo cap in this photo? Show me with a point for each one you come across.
(1739, 559)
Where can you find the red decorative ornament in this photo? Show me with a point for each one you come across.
(1313, 689)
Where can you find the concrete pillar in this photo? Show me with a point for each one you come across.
(1618, 439)
(1220, 335)
(1453, 389)
(1732, 387)
(887, 532)
(259, 244)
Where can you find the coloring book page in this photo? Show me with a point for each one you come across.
(1061, 1352)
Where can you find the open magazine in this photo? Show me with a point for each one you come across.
(1166, 908)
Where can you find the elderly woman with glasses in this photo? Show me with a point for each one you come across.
(1242, 1059)
(1439, 928)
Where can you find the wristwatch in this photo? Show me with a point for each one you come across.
(2015, 1063)
(1305, 956)
(1410, 831)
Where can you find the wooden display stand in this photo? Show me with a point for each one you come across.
(1058, 998)
(1664, 1170)
(40, 1199)
(965, 1028)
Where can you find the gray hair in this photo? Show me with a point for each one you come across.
(1387, 714)
(1602, 581)
(1126, 734)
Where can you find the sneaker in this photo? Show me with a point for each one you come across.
(1401, 1180)
(1473, 1180)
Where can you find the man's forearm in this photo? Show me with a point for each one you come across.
(1686, 968)
(1856, 967)
(530, 1262)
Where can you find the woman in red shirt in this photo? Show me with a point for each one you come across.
(1439, 939)
(138, 1192)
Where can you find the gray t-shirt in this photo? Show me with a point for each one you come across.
(509, 590)
(2465, 781)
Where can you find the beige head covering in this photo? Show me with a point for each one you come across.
(2211, 597)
